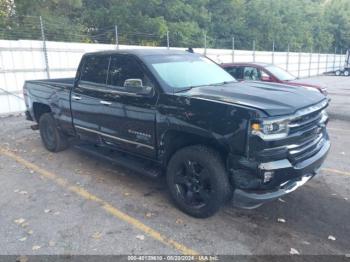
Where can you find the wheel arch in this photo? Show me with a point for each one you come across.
(173, 140)
(39, 109)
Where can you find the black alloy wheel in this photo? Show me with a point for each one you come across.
(198, 181)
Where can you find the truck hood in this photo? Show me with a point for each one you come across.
(273, 99)
(299, 83)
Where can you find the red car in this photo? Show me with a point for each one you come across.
(265, 72)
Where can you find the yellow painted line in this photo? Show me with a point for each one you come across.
(104, 205)
(335, 171)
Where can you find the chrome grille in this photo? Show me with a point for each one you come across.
(307, 149)
(309, 130)
(305, 121)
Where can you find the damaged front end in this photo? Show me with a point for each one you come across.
(283, 155)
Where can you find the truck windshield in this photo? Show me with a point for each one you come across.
(182, 72)
(280, 73)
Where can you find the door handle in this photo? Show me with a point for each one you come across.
(106, 103)
(76, 97)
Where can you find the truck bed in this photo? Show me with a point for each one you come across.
(55, 81)
(55, 94)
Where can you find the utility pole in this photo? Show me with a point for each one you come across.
(116, 37)
(273, 51)
(335, 52)
(253, 50)
(205, 43)
(310, 62)
(44, 48)
(167, 40)
(299, 61)
(340, 57)
(233, 49)
(318, 61)
(287, 58)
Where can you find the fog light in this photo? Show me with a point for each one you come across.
(268, 175)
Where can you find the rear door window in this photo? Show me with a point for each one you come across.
(95, 69)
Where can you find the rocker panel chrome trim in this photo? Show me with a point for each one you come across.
(114, 137)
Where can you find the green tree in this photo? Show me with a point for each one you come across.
(61, 19)
(301, 24)
(148, 23)
(337, 23)
(5, 12)
(228, 19)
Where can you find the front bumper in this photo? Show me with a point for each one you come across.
(301, 173)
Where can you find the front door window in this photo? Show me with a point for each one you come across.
(252, 74)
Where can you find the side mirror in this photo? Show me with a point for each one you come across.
(266, 78)
(134, 85)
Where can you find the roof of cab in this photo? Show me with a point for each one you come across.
(141, 52)
(261, 64)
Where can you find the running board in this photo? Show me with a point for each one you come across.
(139, 165)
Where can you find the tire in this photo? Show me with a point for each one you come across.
(346, 72)
(338, 73)
(197, 181)
(53, 139)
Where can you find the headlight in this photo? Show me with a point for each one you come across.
(269, 130)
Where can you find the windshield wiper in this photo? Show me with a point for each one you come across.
(189, 88)
(222, 83)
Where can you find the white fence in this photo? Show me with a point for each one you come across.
(25, 59)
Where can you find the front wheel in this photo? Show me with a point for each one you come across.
(338, 73)
(198, 181)
(53, 138)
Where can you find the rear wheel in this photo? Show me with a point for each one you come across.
(53, 138)
(347, 72)
(198, 181)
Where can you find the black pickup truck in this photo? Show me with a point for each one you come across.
(180, 114)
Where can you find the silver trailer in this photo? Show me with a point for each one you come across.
(346, 70)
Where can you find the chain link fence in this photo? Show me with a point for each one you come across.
(38, 49)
